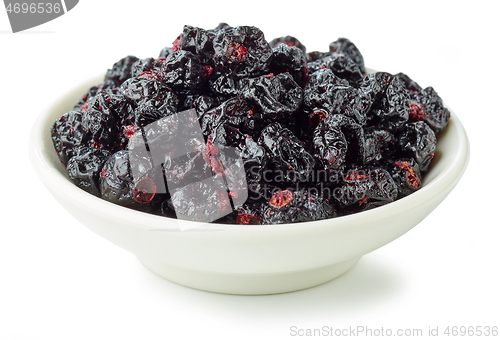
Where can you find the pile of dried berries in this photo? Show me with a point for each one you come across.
(224, 126)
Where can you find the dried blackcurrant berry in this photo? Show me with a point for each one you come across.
(234, 111)
(425, 105)
(199, 41)
(120, 176)
(204, 103)
(153, 109)
(189, 167)
(85, 167)
(379, 145)
(90, 93)
(286, 206)
(121, 70)
(232, 144)
(224, 85)
(288, 41)
(182, 71)
(290, 59)
(388, 102)
(315, 55)
(347, 47)
(418, 141)
(341, 65)
(103, 120)
(338, 139)
(272, 98)
(373, 87)
(142, 66)
(287, 154)
(408, 83)
(68, 133)
(142, 88)
(242, 52)
(406, 175)
(325, 91)
(204, 201)
(436, 114)
(365, 188)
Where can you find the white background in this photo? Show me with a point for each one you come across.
(58, 280)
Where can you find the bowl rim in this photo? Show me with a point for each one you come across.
(54, 179)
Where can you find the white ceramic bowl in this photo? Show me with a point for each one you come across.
(246, 259)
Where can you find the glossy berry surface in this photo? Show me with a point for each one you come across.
(226, 126)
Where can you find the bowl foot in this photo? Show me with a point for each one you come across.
(249, 284)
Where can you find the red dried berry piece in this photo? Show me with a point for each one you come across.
(247, 219)
(144, 191)
(176, 43)
(316, 117)
(355, 175)
(207, 71)
(412, 178)
(84, 107)
(281, 198)
(129, 131)
(416, 112)
(235, 51)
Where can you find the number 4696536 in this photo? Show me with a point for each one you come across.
(34, 8)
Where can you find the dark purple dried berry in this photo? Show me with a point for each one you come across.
(425, 105)
(142, 66)
(231, 144)
(121, 70)
(418, 141)
(338, 140)
(347, 47)
(290, 60)
(204, 201)
(406, 175)
(288, 41)
(103, 119)
(153, 109)
(365, 188)
(408, 83)
(144, 87)
(315, 55)
(379, 145)
(182, 71)
(341, 65)
(388, 102)
(199, 41)
(120, 177)
(241, 52)
(325, 91)
(204, 103)
(272, 98)
(189, 167)
(234, 111)
(84, 168)
(68, 133)
(287, 154)
(224, 85)
(286, 206)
